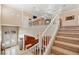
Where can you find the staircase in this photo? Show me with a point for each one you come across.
(66, 41)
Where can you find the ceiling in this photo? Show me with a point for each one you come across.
(42, 9)
(35, 9)
(27, 7)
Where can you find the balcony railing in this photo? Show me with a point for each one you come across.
(46, 38)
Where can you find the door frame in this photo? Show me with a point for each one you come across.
(2, 37)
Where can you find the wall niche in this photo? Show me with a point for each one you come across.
(70, 18)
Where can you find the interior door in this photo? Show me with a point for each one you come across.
(9, 38)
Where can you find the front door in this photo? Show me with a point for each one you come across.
(9, 38)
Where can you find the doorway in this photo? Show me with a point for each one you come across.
(9, 39)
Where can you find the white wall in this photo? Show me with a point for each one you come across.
(65, 14)
(10, 16)
(0, 29)
(13, 17)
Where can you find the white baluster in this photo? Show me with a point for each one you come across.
(43, 44)
(40, 44)
(35, 50)
(47, 40)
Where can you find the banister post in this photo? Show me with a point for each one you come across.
(40, 44)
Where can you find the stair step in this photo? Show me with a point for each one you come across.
(75, 33)
(61, 51)
(68, 46)
(68, 39)
(68, 35)
(69, 29)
